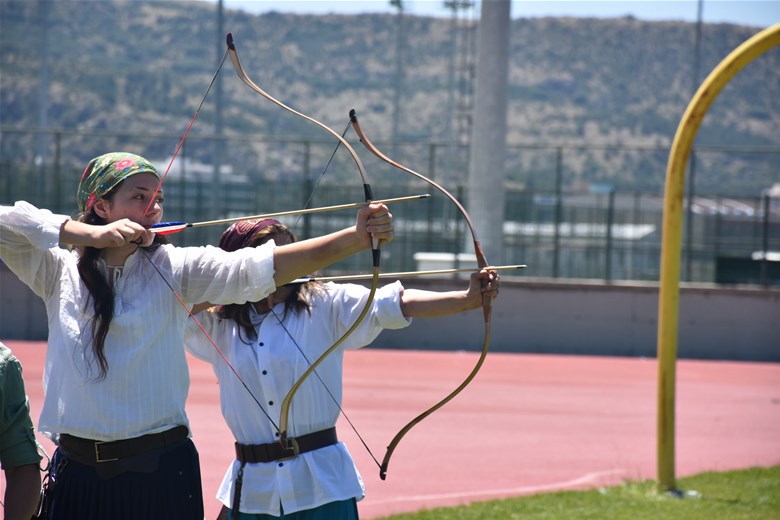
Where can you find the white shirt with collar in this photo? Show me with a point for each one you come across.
(147, 382)
(270, 365)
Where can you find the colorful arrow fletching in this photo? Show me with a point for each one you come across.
(169, 228)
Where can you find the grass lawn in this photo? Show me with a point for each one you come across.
(747, 494)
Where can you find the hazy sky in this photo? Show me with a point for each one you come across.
(758, 13)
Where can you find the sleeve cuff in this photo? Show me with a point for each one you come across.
(388, 307)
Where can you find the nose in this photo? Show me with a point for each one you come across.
(155, 208)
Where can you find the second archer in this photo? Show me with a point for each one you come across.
(272, 343)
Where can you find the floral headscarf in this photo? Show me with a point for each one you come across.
(103, 173)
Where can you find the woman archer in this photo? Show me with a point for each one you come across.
(270, 343)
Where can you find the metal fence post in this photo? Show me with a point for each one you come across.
(307, 187)
(558, 211)
(57, 169)
(610, 221)
(430, 208)
(764, 280)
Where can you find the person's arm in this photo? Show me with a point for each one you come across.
(22, 491)
(28, 241)
(301, 258)
(118, 233)
(417, 303)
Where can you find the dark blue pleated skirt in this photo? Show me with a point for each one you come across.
(171, 490)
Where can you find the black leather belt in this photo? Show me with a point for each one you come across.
(93, 453)
(274, 451)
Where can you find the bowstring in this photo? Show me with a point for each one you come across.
(325, 386)
(170, 286)
(289, 334)
(186, 133)
(211, 340)
(321, 175)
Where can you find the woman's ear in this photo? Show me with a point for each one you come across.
(101, 208)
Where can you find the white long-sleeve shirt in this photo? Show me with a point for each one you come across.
(147, 381)
(269, 366)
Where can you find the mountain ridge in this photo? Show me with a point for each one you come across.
(134, 67)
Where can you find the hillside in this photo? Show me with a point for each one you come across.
(140, 67)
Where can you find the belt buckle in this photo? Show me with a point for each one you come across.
(97, 453)
(292, 444)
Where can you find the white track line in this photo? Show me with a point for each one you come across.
(585, 479)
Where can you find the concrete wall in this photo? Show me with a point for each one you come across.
(546, 316)
(615, 319)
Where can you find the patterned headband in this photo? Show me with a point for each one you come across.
(103, 173)
(240, 234)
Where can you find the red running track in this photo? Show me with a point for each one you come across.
(527, 424)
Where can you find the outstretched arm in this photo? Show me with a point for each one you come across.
(417, 303)
(307, 256)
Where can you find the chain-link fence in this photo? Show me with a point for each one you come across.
(565, 215)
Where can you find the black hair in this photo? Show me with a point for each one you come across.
(101, 292)
(299, 299)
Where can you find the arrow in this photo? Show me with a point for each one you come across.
(168, 228)
(405, 273)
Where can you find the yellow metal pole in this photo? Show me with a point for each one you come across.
(671, 242)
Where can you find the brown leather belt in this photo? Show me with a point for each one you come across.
(93, 453)
(274, 451)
